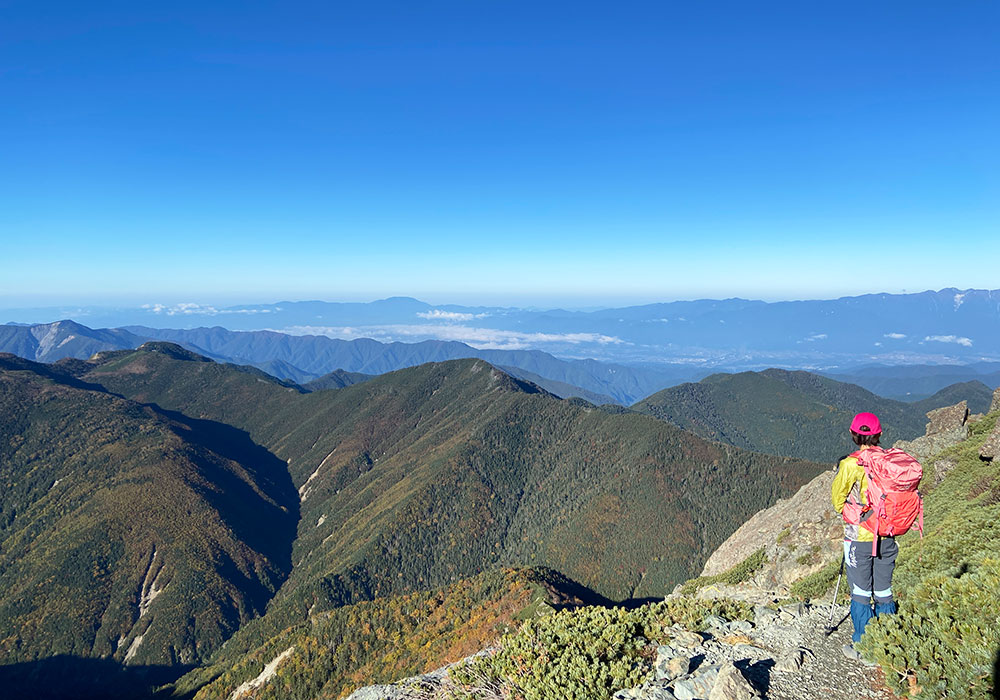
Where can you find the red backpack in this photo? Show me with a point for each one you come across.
(893, 500)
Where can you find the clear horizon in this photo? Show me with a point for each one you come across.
(432, 300)
(560, 155)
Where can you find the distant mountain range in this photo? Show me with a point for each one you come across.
(915, 382)
(933, 327)
(302, 359)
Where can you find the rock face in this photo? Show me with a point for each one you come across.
(943, 420)
(995, 404)
(946, 427)
(799, 535)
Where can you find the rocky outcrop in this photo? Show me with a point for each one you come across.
(946, 427)
(783, 655)
(991, 447)
(995, 404)
(948, 418)
(799, 535)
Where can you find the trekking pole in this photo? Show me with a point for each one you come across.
(833, 604)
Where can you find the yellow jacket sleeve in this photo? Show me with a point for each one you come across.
(850, 474)
(844, 482)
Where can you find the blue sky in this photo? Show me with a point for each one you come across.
(496, 152)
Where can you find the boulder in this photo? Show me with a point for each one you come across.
(793, 659)
(378, 692)
(699, 685)
(731, 685)
(995, 404)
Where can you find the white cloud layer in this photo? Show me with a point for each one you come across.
(441, 315)
(480, 338)
(895, 336)
(191, 309)
(957, 339)
(816, 336)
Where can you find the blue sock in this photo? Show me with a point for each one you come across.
(885, 608)
(861, 613)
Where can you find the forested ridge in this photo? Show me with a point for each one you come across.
(407, 482)
(794, 413)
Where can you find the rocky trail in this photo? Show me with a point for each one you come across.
(784, 654)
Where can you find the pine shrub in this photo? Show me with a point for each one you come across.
(944, 639)
(739, 573)
(589, 653)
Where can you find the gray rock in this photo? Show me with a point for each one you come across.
(991, 447)
(947, 419)
(796, 610)
(995, 404)
(764, 615)
(744, 626)
(685, 638)
(731, 685)
(647, 691)
(716, 622)
(793, 659)
(699, 685)
(942, 467)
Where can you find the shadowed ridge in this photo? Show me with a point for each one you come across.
(122, 525)
(59, 372)
(68, 677)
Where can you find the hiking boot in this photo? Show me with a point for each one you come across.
(852, 653)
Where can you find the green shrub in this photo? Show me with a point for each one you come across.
(589, 653)
(819, 583)
(942, 642)
(737, 574)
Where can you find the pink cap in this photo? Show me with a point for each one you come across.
(866, 424)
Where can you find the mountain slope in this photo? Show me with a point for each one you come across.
(382, 640)
(418, 477)
(126, 531)
(788, 413)
(977, 394)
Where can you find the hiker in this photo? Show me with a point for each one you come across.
(869, 558)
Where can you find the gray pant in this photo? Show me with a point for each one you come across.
(870, 577)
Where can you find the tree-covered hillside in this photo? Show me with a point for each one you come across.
(383, 640)
(797, 414)
(423, 476)
(126, 532)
